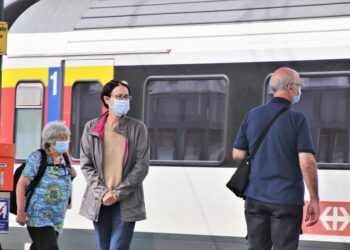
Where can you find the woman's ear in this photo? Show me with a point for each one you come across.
(106, 99)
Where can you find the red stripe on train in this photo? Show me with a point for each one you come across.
(7, 115)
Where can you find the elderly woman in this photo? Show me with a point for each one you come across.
(44, 214)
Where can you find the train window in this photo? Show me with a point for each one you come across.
(28, 117)
(186, 119)
(325, 100)
(86, 105)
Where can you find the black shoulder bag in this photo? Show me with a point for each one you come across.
(239, 180)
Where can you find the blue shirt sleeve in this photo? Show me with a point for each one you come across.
(304, 138)
(241, 141)
(32, 165)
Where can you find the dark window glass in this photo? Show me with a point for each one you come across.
(325, 100)
(29, 116)
(86, 105)
(186, 119)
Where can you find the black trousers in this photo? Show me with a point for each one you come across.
(44, 238)
(273, 225)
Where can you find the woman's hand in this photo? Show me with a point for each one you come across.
(73, 172)
(21, 218)
(109, 198)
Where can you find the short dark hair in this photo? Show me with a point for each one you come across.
(108, 88)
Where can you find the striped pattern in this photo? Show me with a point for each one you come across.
(67, 15)
(136, 13)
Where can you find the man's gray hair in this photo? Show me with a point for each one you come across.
(281, 77)
(52, 131)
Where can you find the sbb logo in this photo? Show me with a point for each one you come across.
(334, 219)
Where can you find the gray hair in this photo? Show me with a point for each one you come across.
(52, 131)
(281, 78)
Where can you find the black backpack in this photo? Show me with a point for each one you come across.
(30, 189)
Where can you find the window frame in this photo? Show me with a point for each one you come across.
(191, 163)
(321, 165)
(71, 110)
(42, 108)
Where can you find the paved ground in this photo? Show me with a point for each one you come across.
(85, 240)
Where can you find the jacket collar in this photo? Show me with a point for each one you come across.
(281, 101)
(99, 128)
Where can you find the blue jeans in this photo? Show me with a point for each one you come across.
(111, 232)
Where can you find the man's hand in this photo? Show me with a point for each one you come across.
(238, 154)
(312, 213)
(109, 198)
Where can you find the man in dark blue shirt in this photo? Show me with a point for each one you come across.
(284, 160)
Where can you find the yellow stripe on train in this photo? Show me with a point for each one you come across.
(10, 77)
(95, 73)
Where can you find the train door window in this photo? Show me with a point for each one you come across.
(28, 118)
(86, 105)
(186, 119)
(325, 100)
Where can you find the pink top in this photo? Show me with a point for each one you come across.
(99, 129)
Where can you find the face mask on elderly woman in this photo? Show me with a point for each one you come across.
(61, 146)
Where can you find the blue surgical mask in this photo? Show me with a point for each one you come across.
(296, 98)
(120, 107)
(61, 146)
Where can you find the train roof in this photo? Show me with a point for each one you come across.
(154, 32)
(70, 15)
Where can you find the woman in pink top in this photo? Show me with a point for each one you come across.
(114, 159)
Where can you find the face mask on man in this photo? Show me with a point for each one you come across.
(120, 107)
(61, 146)
(296, 98)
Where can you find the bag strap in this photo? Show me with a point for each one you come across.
(41, 171)
(37, 178)
(68, 163)
(265, 131)
(67, 160)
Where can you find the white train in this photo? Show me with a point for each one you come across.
(194, 67)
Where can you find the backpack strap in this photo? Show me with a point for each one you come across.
(41, 171)
(43, 165)
(68, 163)
(67, 160)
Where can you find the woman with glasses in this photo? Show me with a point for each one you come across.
(44, 214)
(114, 158)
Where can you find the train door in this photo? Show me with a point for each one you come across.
(83, 81)
(23, 108)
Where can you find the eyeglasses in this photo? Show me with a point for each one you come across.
(300, 85)
(62, 141)
(122, 97)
